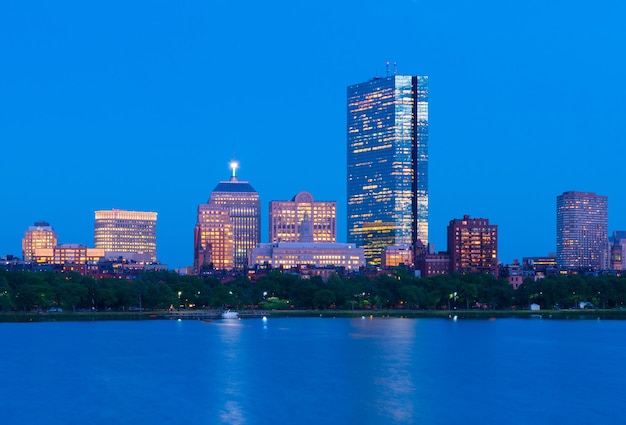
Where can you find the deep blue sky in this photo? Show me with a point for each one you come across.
(141, 105)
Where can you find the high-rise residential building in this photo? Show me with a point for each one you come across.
(40, 235)
(121, 232)
(473, 246)
(287, 217)
(387, 167)
(241, 202)
(582, 230)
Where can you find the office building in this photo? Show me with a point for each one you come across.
(295, 254)
(286, 218)
(395, 256)
(241, 202)
(40, 235)
(539, 267)
(387, 163)
(213, 238)
(122, 233)
(68, 254)
(305, 252)
(473, 246)
(582, 231)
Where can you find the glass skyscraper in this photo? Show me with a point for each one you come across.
(387, 163)
(582, 230)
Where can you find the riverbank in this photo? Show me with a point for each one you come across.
(373, 314)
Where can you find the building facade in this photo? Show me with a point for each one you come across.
(40, 235)
(288, 255)
(387, 163)
(432, 264)
(473, 246)
(241, 202)
(582, 231)
(617, 243)
(213, 238)
(395, 256)
(121, 232)
(306, 253)
(539, 267)
(68, 254)
(287, 217)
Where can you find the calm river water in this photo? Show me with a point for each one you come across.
(313, 371)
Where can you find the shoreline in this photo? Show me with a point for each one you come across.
(22, 317)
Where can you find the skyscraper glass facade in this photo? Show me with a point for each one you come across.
(582, 230)
(387, 163)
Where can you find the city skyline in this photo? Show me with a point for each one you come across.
(141, 107)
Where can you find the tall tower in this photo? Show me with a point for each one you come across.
(287, 217)
(387, 169)
(582, 230)
(40, 235)
(241, 203)
(126, 232)
(473, 245)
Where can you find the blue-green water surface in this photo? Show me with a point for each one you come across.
(313, 371)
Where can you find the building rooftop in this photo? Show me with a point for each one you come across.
(308, 245)
(234, 185)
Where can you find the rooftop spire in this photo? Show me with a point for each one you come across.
(233, 167)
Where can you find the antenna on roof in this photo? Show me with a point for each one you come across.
(387, 67)
(395, 68)
(233, 166)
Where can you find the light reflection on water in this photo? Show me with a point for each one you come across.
(312, 371)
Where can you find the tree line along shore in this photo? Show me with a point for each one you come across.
(396, 294)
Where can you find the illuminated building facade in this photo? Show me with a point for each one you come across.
(473, 246)
(305, 252)
(582, 230)
(68, 254)
(387, 167)
(213, 238)
(394, 256)
(539, 266)
(432, 264)
(618, 250)
(126, 232)
(241, 202)
(295, 254)
(40, 235)
(286, 218)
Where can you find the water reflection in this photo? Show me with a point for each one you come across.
(313, 371)
(388, 360)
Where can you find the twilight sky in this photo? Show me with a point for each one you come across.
(141, 105)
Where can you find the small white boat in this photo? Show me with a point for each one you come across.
(230, 315)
